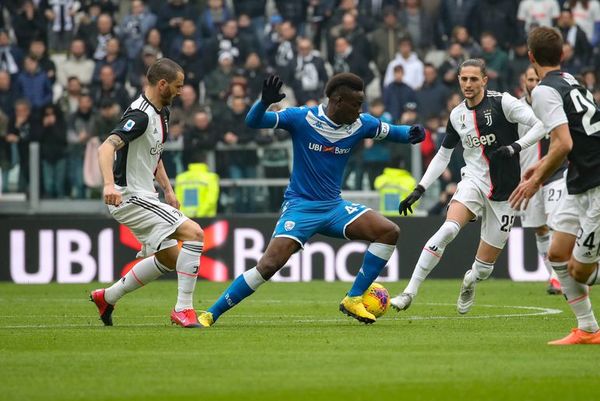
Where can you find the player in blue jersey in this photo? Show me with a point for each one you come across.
(322, 137)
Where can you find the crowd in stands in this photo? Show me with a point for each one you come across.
(69, 68)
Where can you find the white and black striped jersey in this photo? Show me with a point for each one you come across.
(531, 155)
(560, 99)
(481, 130)
(144, 130)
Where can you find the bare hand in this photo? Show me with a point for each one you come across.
(12, 138)
(111, 195)
(230, 138)
(171, 199)
(519, 199)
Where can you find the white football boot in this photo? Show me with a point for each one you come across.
(466, 296)
(402, 301)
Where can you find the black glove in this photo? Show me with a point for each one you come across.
(406, 204)
(270, 91)
(416, 134)
(506, 152)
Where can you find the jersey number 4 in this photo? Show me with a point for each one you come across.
(586, 102)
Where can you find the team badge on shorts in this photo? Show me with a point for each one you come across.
(288, 225)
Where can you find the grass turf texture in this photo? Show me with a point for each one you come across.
(289, 342)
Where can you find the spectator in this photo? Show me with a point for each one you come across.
(53, 143)
(309, 73)
(199, 138)
(254, 72)
(213, 17)
(137, 71)
(20, 131)
(347, 60)
(186, 107)
(248, 35)
(154, 41)
(77, 65)
(397, 94)
(34, 85)
(417, 23)
(455, 13)
(448, 71)
(88, 24)
(413, 67)
(60, 15)
(37, 48)
(171, 16)
(354, 35)
(590, 79)
(79, 131)
(496, 61)
(470, 46)
(570, 62)
(8, 94)
(29, 24)
(134, 27)
(255, 10)
(293, 11)
(114, 59)
(109, 88)
(518, 63)
(217, 83)
(105, 121)
(498, 17)
(385, 39)
(282, 54)
(69, 101)
(187, 30)
(99, 40)
(11, 56)
(226, 41)
(573, 34)
(191, 62)
(533, 13)
(587, 15)
(431, 97)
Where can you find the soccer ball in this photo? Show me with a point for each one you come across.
(376, 299)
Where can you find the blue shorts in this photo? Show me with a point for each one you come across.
(301, 219)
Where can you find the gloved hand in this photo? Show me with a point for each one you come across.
(406, 204)
(270, 91)
(506, 152)
(416, 134)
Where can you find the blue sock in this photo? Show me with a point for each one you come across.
(243, 286)
(375, 260)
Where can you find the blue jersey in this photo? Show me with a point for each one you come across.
(322, 149)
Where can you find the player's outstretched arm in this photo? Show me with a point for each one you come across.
(258, 117)
(403, 133)
(106, 157)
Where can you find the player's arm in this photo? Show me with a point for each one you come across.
(258, 116)
(163, 180)
(400, 133)
(517, 112)
(438, 165)
(106, 157)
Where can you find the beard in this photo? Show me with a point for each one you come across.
(166, 97)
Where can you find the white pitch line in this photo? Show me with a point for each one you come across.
(537, 311)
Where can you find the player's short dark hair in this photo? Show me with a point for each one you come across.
(545, 44)
(474, 62)
(344, 80)
(163, 68)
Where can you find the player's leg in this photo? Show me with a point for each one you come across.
(496, 222)
(275, 257)
(187, 265)
(543, 237)
(458, 216)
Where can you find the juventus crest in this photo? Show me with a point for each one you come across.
(488, 117)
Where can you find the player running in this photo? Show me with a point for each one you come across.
(486, 125)
(541, 207)
(323, 137)
(129, 193)
(569, 113)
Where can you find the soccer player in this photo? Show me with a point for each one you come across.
(484, 122)
(129, 193)
(323, 137)
(541, 207)
(569, 113)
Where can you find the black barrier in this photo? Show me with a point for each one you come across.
(70, 249)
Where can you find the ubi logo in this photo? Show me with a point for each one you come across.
(328, 149)
(476, 141)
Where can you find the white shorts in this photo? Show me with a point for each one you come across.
(150, 220)
(542, 206)
(579, 215)
(497, 217)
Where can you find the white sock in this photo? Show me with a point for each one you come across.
(577, 297)
(594, 277)
(431, 255)
(188, 264)
(253, 278)
(479, 272)
(145, 271)
(543, 244)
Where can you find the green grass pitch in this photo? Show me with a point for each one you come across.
(289, 342)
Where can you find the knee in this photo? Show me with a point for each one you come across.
(541, 231)
(394, 233)
(557, 255)
(579, 275)
(196, 233)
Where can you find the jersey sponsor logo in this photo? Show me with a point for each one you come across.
(328, 149)
(128, 125)
(157, 148)
(476, 141)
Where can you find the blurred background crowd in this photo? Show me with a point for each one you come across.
(68, 70)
